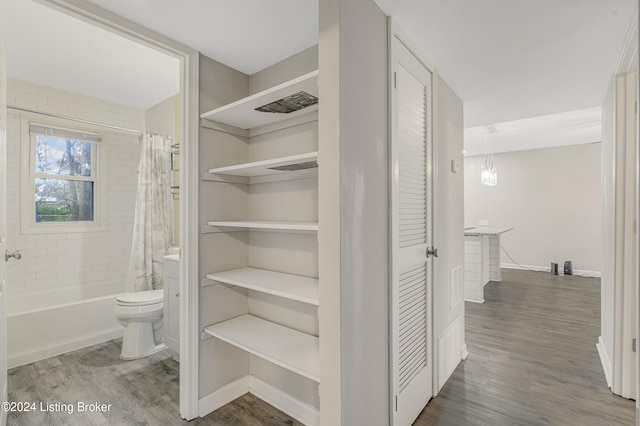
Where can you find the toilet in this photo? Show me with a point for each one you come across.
(141, 315)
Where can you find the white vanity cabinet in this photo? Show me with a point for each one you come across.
(172, 304)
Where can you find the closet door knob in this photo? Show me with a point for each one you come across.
(431, 251)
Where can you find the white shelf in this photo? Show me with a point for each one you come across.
(294, 287)
(266, 225)
(242, 113)
(283, 346)
(265, 167)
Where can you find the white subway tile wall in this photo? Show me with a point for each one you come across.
(57, 261)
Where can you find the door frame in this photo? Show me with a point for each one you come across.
(189, 165)
(395, 32)
(4, 385)
(626, 325)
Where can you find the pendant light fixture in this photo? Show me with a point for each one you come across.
(488, 173)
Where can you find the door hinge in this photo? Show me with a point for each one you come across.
(395, 80)
(633, 345)
(396, 402)
(636, 107)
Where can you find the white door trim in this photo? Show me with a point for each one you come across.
(189, 87)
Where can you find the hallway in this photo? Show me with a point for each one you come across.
(532, 358)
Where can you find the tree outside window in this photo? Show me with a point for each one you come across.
(64, 180)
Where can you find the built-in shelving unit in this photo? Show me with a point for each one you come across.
(276, 320)
(294, 287)
(243, 114)
(283, 346)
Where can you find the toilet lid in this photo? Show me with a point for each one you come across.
(141, 298)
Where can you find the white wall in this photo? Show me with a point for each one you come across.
(54, 261)
(353, 182)
(552, 199)
(448, 315)
(160, 117)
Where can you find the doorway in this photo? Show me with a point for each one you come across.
(186, 61)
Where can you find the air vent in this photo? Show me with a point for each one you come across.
(291, 103)
(294, 167)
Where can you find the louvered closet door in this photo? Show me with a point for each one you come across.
(411, 218)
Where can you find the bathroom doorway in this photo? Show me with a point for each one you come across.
(60, 284)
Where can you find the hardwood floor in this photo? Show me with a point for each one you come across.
(532, 361)
(532, 358)
(141, 392)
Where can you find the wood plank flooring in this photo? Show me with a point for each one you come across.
(141, 392)
(532, 361)
(532, 358)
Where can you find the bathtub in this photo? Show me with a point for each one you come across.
(52, 323)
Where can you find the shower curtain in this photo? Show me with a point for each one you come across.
(152, 230)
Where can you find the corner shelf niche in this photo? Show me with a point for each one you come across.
(283, 346)
(294, 287)
(242, 113)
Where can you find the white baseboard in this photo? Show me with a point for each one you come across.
(465, 352)
(223, 396)
(284, 402)
(63, 348)
(579, 272)
(605, 361)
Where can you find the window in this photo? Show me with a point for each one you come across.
(63, 190)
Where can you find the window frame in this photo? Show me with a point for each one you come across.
(29, 176)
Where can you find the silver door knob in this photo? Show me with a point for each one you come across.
(16, 255)
(431, 251)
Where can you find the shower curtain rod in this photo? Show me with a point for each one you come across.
(79, 120)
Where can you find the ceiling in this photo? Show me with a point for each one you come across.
(515, 59)
(508, 60)
(59, 51)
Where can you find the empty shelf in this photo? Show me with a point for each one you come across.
(266, 225)
(270, 167)
(242, 113)
(283, 346)
(294, 287)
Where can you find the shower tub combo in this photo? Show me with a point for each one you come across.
(52, 323)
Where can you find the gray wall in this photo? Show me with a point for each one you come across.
(219, 85)
(449, 204)
(299, 64)
(353, 185)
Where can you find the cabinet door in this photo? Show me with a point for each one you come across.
(172, 314)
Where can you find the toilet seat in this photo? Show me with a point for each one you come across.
(133, 311)
(141, 298)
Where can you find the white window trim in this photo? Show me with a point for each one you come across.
(28, 222)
